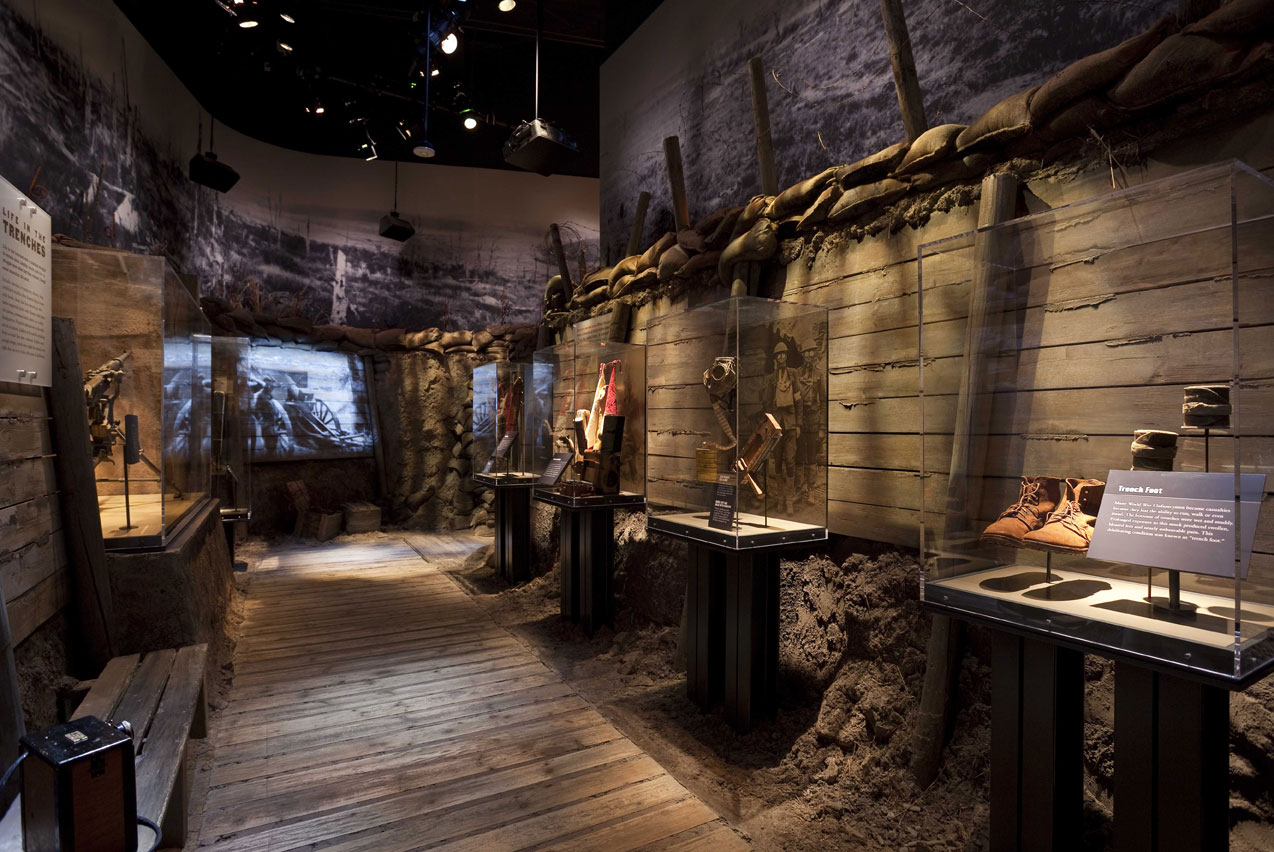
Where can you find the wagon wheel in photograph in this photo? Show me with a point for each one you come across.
(323, 416)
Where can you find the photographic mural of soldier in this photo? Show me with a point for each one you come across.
(813, 420)
(784, 399)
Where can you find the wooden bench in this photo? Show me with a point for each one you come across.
(162, 695)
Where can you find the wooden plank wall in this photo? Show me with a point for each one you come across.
(1107, 343)
(1068, 405)
(33, 560)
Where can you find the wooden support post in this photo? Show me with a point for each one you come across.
(373, 398)
(563, 268)
(677, 182)
(910, 101)
(11, 725)
(1189, 11)
(77, 489)
(620, 318)
(639, 223)
(761, 118)
(999, 204)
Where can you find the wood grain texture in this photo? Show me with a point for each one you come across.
(375, 706)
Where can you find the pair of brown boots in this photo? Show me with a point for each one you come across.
(1050, 514)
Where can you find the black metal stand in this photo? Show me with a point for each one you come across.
(1037, 745)
(513, 532)
(586, 560)
(1172, 763)
(733, 653)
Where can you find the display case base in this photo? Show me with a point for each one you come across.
(750, 531)
(513, 531)
(1172, 763)
(1037, 745)
(732, 601)
(505, 480)
(1111, 616)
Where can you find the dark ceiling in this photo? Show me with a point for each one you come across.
(356, 59)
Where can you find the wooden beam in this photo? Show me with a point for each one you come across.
(761, 118)
(999, 203)
(639, 224)
(677, 182)
(82, 525)
(563, 268)
(910, 100)
(11, 725)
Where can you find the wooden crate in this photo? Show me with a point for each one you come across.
(321, 524)
(362, 517)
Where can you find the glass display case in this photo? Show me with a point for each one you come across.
(736, 421)
(588, 415)
(233, 389)
(502, 448)
(1096, 388)
(146, 350)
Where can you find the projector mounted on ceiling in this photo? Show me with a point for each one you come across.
(396, 227)
(207, 170)
(538, 146)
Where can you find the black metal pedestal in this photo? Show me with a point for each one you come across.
(733, 651)
(513, 532)
(1037, 745)
(1172, 763)
(587, 562)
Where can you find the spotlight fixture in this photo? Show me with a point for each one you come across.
(319, 110)
(448, 45)
(285, 16)
(434, 72)
(507, 5)
(403, 130)
(470, 122)
(283, 47)
(424, 149)
(248, 24)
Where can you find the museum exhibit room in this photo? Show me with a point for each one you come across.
(636, 425)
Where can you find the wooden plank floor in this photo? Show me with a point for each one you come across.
(375, 706)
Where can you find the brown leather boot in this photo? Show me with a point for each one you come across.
(1069, 528)
(1039, 496)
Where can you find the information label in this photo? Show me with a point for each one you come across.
(1176, 520)
(556, 467)
(502, 448)
(26, 285)
(722, 516)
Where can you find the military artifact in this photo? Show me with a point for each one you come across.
(758, 449)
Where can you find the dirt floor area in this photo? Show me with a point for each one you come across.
(832, 770)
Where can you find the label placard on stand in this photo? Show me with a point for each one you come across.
(553, 472)
(1176, 520)
(26, 284)
(722, 517)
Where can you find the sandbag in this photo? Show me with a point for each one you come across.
(861, 198)
(1097, 72)
(817, 212)
(690, 240)
(673, 259)
(1008, 119)
(1180, 65)
(1237, 19)
(952, 171)
(627, 266)
(1092, 113)
(650, 257)
(707, 260)
(933, 146)
(720, 236)
(751, 212)
(873, 168)
(796, 198)
(759, 243)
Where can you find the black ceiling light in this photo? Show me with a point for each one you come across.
(423, 147)
(392, 225)
(207, 170)
(536, 145)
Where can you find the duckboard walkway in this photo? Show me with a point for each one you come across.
(376, 706)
